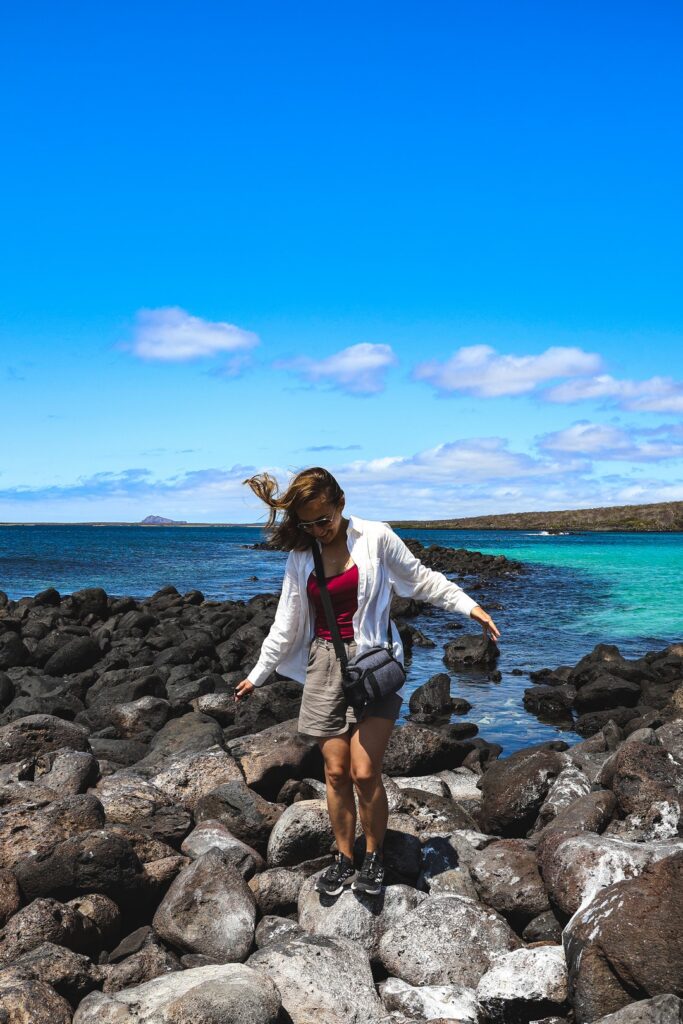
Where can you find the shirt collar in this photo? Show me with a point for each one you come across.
(355, 525)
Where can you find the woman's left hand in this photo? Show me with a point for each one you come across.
(486, 622)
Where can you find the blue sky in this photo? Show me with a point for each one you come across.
(434, 247)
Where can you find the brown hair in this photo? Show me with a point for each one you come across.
(305, 486)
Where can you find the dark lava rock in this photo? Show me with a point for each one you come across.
(606, 691)
(471, 651)
(71, 975)
(79, 654)
(507, 878)
(47, 920)
(91, 862)
(628, 942)
(38, 734)
(432, 699)
(593, 721)
(416, 750)
(246, 814)
(271, 757)
(91, 601)
(12, 651)
(643, 774)
(513, 789)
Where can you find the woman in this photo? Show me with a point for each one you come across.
(364, 562)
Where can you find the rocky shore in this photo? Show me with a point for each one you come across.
(159, 844)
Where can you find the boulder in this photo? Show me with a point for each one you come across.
(417, 750)
(46, 920)
(34, 826)
(471, 651)
(570, 785)
(433, 699)
(271, 757)
(434, 813)
(188, 777)
(24, 1000)
(302, 831)
(576, 867)
(658, 1010)
(272, 929)
(428, 1002)
(151, 960)
(130, 800)
(276, 890)
(97, 861)
(67, 772)
(209, 834)
(246, 814)
(12, 651)
(188, 734)
(321, 979)
(209, 909)
(514, 789)
(214, 994)
(37, 734)
(77, 655)
(628, 940)
(590, 813)
(446, 940)
(10, 897)
(71, 975)
(607, 691)
(526, 984)
(353, 915)
(643, 774)
(507, 878)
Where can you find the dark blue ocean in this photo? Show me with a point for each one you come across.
(579, 590)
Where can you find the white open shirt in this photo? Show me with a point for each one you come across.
(385, 565)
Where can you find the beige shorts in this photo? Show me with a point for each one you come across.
(324, 711)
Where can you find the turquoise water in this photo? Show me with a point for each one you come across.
(579, 590)
(641, 576)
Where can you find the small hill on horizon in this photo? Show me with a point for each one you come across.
(660, 517)
(160, 521)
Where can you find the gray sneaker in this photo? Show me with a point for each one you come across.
(334, 878)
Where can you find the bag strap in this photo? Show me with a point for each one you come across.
(340, 649)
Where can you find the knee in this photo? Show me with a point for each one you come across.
(337, 776)
(366, 779)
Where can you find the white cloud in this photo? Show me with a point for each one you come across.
(481, 371)
(359, 370)
(657, 394)
(475, 476)
(601, 441)
(169, 334)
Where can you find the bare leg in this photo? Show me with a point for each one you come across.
(341, 805)
(368, 743)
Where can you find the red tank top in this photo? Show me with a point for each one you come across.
(343, 591)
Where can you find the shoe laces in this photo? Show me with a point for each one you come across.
(372, 864)
(336, 870)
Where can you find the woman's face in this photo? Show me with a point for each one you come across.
(330, 516)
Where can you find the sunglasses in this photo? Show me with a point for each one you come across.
(325, 521)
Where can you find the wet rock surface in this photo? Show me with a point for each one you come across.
(159, 844)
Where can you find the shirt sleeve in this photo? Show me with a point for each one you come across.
(282, 633)
(411, 578)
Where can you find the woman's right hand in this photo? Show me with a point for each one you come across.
(243, 689)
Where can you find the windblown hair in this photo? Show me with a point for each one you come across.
(305, 486)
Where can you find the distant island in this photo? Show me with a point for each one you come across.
(661, 517)
(160, 521)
